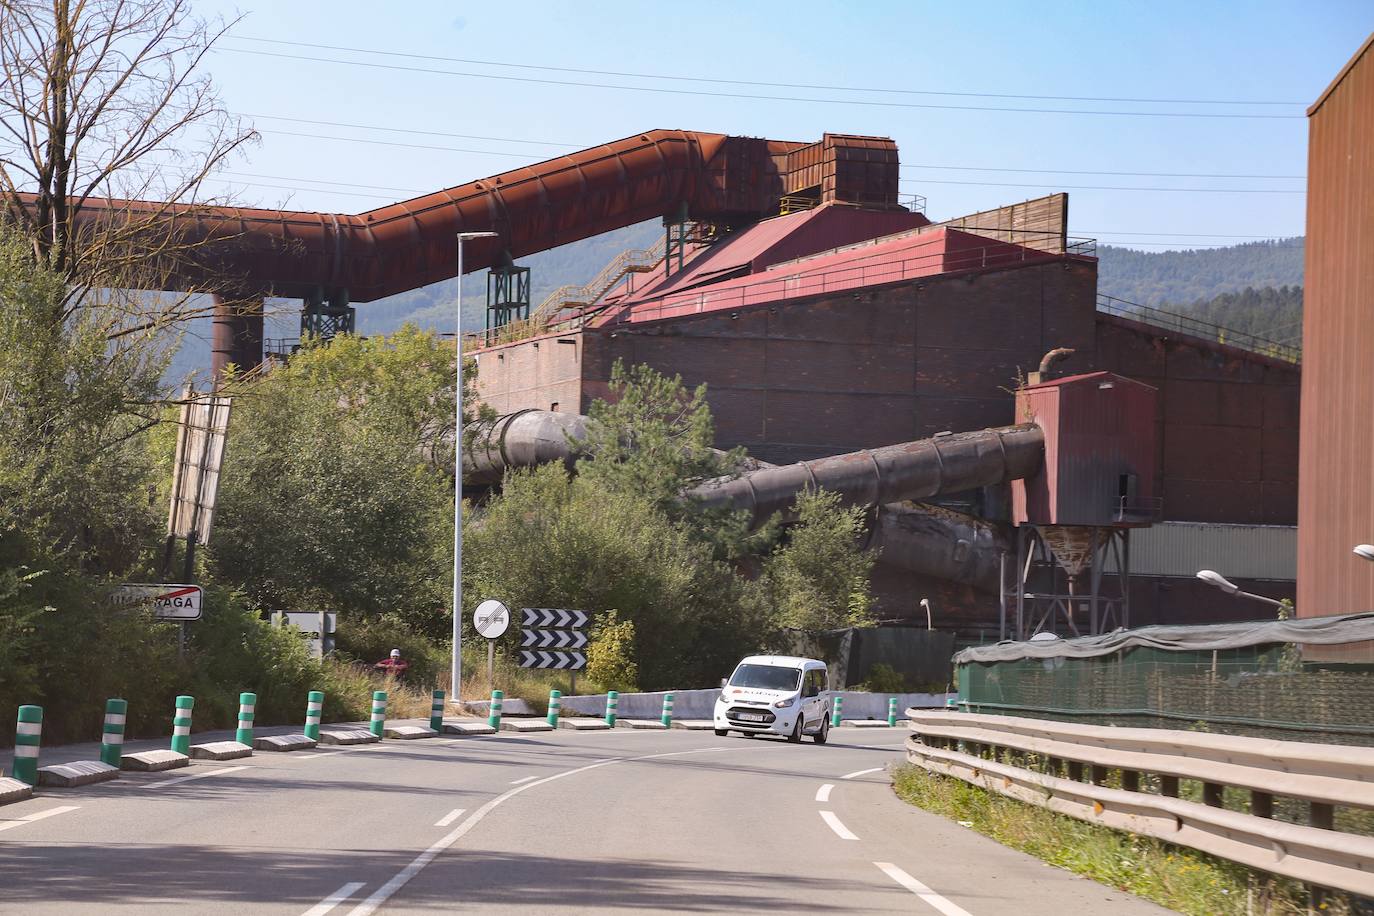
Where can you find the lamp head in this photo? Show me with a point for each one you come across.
(1365, 551)
(1217, 580)
(925, 603)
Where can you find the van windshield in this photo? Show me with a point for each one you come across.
(766, 677)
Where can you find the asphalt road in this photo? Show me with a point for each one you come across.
(556, 822)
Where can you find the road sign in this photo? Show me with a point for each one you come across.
(316, 626)
(169, 602)
(491, 618)
(564, 661)
(553, 639)
(545, 617)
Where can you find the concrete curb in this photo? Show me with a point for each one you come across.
(584, 725)
(409, 732)
(347, 736)
(12, 790)
(649, 724)
(80, 773)
(297, 742)
(694, 725)
(220, 750)
(468, 729)
(153, 761)
(525, 725)
(864, 723)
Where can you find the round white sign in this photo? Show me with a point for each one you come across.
(491, 618)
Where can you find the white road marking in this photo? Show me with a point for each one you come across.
(857, 774)
(38, 816)
(823, 793)
(313, 756)
(834, 824)
(219, 771)
(920, 890)
(385, 892)
(334, 899)
(516, 782)
(450, 817)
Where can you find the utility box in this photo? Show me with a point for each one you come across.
(1100, 446)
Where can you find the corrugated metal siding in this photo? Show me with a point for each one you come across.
(1235, 551)
(1336, 483)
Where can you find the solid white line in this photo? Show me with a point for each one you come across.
(823, 793)
(857, 774)
(834, 824)
(450, 817)
(334, 899)
(385, 892)
(516, 782)
(920, 890)
(313, 756)
(38, 816)
(220, 771)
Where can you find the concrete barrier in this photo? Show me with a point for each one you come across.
(700, 704)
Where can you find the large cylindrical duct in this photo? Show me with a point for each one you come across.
(930, 541)
(918, 470)
(521, 439)
(237, 335)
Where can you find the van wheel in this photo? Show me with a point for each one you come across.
(722, 732)
(796, 735)
(820, 736)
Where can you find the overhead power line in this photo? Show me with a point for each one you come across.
(736, 82)
(662, 90)
(986, 168)
(409, 130)
(1091, 187)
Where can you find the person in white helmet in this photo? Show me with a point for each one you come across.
(394, 665)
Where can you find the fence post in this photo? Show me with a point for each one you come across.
(112, 733)
(667, 718)
(892, 712)
(555, 706)
(494, 711)
(314, 709)
(835, 716)
(436, 711)
(181, 724)
(378, 724)
(612, 703)
(27, 736)
(248, 702)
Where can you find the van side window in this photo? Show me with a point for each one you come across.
(813, 683)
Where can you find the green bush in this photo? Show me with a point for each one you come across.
(610, 656)
(368, 641)
(883, 678)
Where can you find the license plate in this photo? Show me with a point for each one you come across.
(751, 717)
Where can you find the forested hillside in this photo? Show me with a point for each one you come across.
(1172, 277)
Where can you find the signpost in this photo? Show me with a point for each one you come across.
(491, 619)
(551, 638)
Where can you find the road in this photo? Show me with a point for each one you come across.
(554, 822)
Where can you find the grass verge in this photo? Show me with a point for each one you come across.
(1172, 876)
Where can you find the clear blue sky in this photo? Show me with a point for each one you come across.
(1259, 52)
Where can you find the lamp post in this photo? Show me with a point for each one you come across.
(1217, 580)
(456, 682)
(925, 603)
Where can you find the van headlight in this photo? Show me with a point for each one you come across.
(783, 704)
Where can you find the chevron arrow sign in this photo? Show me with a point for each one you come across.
(563, 661)
(552, 639)
(546, 617)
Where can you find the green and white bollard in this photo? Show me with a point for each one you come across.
(494, 711)
(378, 724)
(835, 716)
(667, 718)
(314, 709)
(112, 734)
(555, 706)
(27, 736)
(436, 711)
(612, 702)
(181, 724)
(248, 703)
(892, 712)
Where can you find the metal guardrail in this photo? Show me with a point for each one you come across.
(993, 752)
(1193, 327)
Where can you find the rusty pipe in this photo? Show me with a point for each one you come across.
(518, 440)
(941, 544)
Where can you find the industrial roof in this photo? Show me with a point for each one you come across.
(1349, 65)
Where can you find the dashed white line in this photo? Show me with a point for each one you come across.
(38, 816)
(313, 756)
(823, 793)
(450, 817)
(219, 771)
(334, 899)
(920, 890)
(858, 773)
(516, 782)
(834, 824)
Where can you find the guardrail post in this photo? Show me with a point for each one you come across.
(112, 732)
(494, 711)
(1097, 775)
(1213, 795)
(378, 724)
(1261, 804)
(248, 703)
(1168, 786)
(181, 724)
(835, 716)
(1323, 816)
(892, 712)
(1075, 770)
(667, 717)
(314, 709)
(1130, 780)
(28, 734)
(436, 711)
(612, 702)
(555, 706)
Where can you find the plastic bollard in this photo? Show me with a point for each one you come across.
(555, 706)
(314, 710)
(112, 733)
(378, 724)
(494, 712)
(892, 712)
(436, 711)
(27, 736)
(835, 716)
(612, 702)
(667, 718)
(181, 724)
(248, 702)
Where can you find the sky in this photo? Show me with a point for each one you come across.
(936, 78)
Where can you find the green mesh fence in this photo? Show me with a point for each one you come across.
(1261, 691)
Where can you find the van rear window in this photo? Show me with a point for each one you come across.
(766, 677)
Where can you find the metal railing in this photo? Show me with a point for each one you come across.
(1193, 327)
(1076, 770)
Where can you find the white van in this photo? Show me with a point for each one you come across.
(775, 695)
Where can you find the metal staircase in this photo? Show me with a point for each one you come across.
(633, 261)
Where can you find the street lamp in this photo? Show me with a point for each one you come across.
(456, 681)
(925, 603)
(1217, 580)
(1365, 551)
